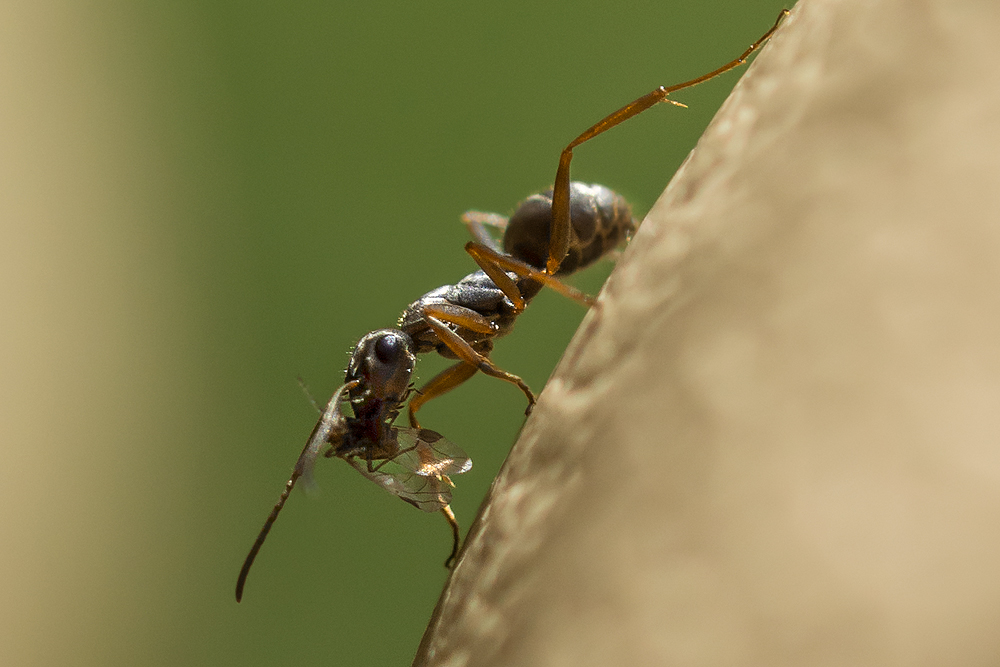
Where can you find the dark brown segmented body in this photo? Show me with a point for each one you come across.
(600, 219)
(551, 234)
(476, 292)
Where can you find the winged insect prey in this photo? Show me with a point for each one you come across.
(549, 235)
(412, 464)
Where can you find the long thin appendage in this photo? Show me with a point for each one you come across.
(464, 351)
(495, 264)
(560, 238)
(477, 221)
(322, 434)
(456, 537)
(245, 570)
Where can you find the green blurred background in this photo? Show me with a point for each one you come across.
(201, 202)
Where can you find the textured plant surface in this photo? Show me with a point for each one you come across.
(774, 441)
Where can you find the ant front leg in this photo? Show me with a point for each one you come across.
(561, 229)
(442, 383)
(455, 536)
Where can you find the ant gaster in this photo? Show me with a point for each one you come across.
(550, 234)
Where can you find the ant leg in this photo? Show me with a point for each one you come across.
(476, 221)
(456, 537)
(464, 351)
(461, 316)
(560, 237)
(442, 383)
(496, 264)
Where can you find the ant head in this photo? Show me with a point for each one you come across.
(383, 363)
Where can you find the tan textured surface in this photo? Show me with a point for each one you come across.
(777, 440)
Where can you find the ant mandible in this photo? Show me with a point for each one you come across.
(413, 464)
(550, 234)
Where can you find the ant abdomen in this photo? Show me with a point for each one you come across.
(600, 219)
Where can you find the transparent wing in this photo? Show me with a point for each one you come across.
(330, 427)
(427, 453)
(419, 472)
(328, 431)
(427, 493)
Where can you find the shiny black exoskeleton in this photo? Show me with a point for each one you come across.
(551, 234)
(601, 220)
(461, 321)
(412, 464)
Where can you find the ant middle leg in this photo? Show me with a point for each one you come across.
(482, 363)
(561, 230)
(496, 264)
(437, 318)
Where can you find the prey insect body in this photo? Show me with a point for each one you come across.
(412, 464)
(550, 235)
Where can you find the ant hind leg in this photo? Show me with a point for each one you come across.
(560, 231)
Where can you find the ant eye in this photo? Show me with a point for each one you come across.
(550, 234)
(388, 349)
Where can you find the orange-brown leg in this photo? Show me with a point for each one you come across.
(464, 351)
(455, 535)
(496, 264)
(442, 383)
(461, 316)
(560, 235)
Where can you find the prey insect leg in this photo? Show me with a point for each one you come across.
(456, 536)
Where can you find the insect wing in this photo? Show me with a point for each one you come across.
(418, 473)
(328, 430)
(427, 493)
(429, 454)
(330, 427)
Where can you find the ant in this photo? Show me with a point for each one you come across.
(410, 463)
(549, 235)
